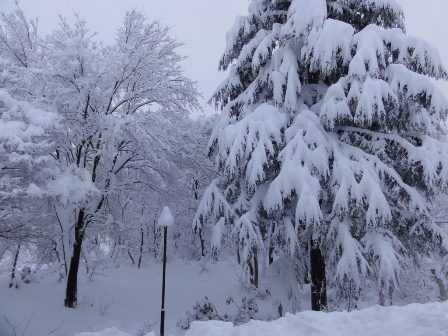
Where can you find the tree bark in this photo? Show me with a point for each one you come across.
(256, 269)
(271, 245)
(155, 247)
(14, 266)
(238, 255)
(130, 256)
(318, 279)
(71, 292)
(271, 254)
(202, 243)
(141, 249)
(113, 250)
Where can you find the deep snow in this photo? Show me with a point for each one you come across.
(125, 301)
(429, 319)
(126, 297)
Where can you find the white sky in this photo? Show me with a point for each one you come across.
(202, 26)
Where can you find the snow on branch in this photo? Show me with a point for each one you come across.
(250, 143)
(303, 17)
(329, 50)
(419, 90)
(212, 206)
(347, 253)
(304, 165)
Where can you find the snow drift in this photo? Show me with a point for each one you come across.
(429, 319)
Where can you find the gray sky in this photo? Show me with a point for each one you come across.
(202, 26)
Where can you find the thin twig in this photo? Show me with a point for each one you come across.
(56, 328)
(27, 323)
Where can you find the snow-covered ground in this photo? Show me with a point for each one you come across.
(125, 301)
(127, 298)
(429, 319)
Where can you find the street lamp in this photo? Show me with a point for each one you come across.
(166, 219)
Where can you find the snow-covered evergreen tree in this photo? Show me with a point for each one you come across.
(330, 139)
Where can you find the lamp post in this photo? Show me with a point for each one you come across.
(166, 219)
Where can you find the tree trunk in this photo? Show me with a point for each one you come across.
(271, 245)
(71, 292)
(271, 254)
(65, 258)
(119, 249)
(155, 240)
(85, 255)
(132, 259)
(318, 279)
(14, 266)
(251, 270)
(438, 277)
(382, 297)
(56, 252)
(382, 300)
(87, 264)
(252, 263)
(238, 255)
(141, 249)
(202, 243)
(256, 269)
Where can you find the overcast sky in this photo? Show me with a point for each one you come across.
(202, 26)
